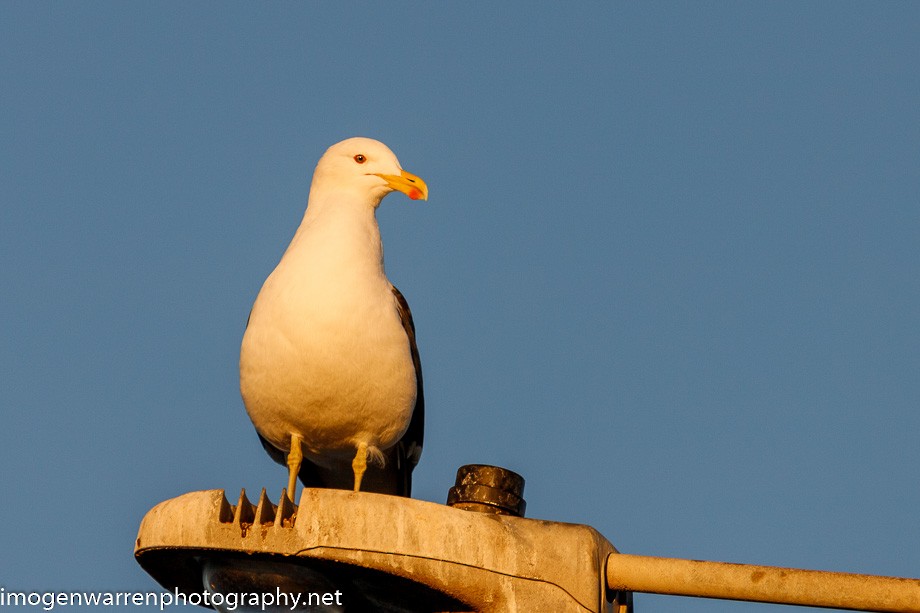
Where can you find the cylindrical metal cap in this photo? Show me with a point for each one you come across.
(488, 489)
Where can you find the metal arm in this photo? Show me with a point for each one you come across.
(762, 584)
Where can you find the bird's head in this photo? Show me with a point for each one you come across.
(367, 169)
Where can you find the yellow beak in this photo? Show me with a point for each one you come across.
(407, 183)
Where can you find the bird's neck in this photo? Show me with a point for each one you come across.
(342, 236)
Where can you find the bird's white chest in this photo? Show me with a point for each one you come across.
(325, 355)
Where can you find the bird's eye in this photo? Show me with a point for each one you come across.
(360, 158)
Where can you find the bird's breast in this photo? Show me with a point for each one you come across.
(325, 356)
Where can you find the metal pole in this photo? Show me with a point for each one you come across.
(762, 584)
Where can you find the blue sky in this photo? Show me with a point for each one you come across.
(668, 270)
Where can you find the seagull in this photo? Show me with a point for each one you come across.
(329, 369)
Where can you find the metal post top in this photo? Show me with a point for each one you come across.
(447, 558)
(484, 560)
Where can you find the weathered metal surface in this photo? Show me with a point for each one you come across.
(475, 562)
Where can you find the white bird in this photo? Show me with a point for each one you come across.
(329, 369)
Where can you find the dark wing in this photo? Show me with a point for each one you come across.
(409, 448)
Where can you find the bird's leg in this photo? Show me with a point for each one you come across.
(359, 464)
(294, 459)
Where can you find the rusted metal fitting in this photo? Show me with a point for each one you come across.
(488, 489)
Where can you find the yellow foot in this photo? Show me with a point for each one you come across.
(294, 459)
(359, 464)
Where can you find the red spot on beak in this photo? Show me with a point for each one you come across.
(415, 194)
